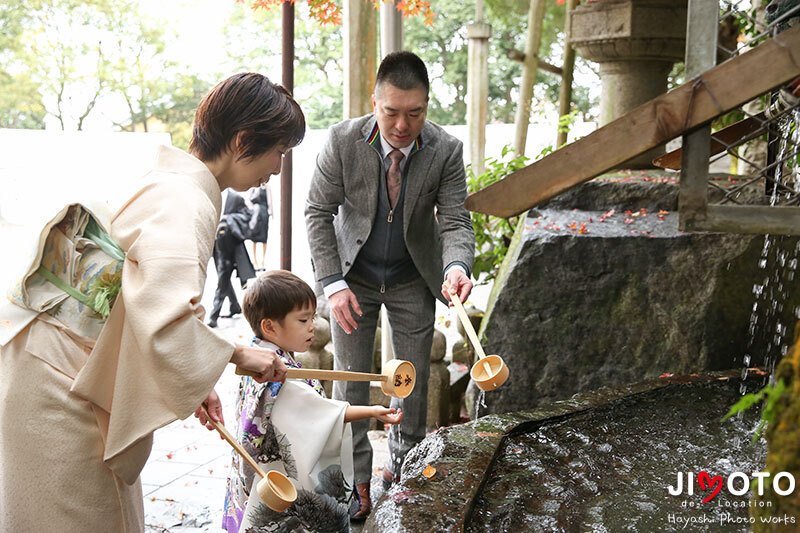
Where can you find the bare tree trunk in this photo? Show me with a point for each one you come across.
(529, 70)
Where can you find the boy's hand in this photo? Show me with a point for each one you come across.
(387, 415)
(261, 361)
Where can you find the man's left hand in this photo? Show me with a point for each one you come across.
(460, 283)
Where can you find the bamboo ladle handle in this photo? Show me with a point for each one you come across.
(275, 489)
(397, 380)
(473, 337)
(233, 442)
(322, 375)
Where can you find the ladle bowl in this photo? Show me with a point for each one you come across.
(276, 491)
(489, 372)
(401, 378)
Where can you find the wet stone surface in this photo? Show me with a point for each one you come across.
(600, 461)
(609, 469)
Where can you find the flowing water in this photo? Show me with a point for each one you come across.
(610, 468)
(778, 261)
(480, 401)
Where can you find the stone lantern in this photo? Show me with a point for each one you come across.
(636, 42)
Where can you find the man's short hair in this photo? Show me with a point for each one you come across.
(263, 112)
(404, 70)
(274, 295)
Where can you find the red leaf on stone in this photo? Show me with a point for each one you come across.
(402, 497)
(607, 214)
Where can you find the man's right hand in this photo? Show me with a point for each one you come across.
(341, 303)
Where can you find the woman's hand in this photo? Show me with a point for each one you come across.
(261, 361)
(387, 415)
(214, 408)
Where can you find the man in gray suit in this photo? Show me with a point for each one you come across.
(387, 225)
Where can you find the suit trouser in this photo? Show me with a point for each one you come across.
(224, 289)
(410, 307)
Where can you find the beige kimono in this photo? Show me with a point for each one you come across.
(77, 414)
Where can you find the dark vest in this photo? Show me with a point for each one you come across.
(384, 259)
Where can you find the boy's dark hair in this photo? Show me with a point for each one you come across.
(404, 70)
(274, 295)
(263, 112)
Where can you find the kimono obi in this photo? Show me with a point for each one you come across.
(75, 275)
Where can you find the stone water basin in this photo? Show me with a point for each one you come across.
(601, 461)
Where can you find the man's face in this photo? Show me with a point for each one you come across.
(400, 114)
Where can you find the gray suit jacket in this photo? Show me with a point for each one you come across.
(343, 200)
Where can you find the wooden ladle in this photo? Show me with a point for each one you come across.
(489, 371)
(275, 489)
(397, 378)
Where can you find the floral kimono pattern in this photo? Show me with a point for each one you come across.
(293, 428)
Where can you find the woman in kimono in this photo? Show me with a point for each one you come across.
(87, 377)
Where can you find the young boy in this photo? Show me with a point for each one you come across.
(291, 426)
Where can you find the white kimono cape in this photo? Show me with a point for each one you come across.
(320, 444)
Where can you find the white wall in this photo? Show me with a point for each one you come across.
(41, 171)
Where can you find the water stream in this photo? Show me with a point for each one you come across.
(778, 260)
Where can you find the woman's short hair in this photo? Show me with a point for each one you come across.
(263, 113)
(274, 295)
(404, 70)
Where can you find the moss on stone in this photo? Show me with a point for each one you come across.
(783, 445)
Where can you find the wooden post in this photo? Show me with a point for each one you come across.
(529, 68)
(287, 60)
(360, 56)
(701, 55)
(478, 34)
(391, 28)
(567, 68)
(391, 41)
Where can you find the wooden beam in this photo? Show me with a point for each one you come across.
(752, 219)
(720, 141)
(694, 103)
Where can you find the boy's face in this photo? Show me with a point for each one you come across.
(294, 333)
